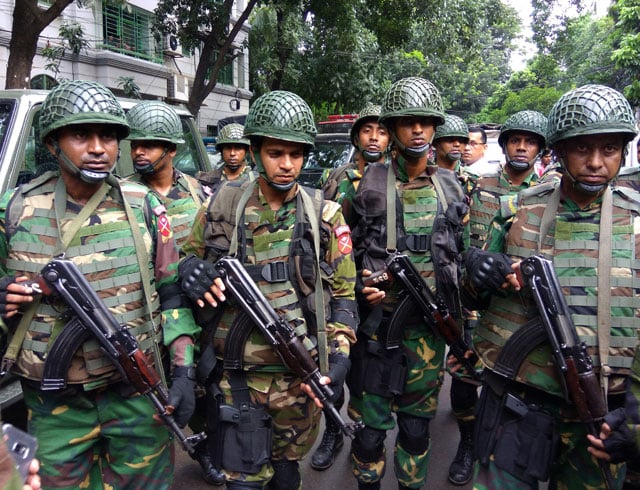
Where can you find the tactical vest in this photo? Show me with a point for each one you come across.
(417, 206)
(104, 252)
(265, 247)
(491, 196)
(572, 241)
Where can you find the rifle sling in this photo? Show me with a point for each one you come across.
(518, 346)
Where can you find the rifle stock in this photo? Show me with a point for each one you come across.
(432, 306)
(579, 381)
(280, 336)
(93, 319)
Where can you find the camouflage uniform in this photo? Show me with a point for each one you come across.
(97, 429)
(422, 353)
(268, 236)
(572, 241)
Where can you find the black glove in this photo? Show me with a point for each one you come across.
(620, 444)
(4, 282)
(182, 394)
(487, 270)
(196, 276)
(339, 365)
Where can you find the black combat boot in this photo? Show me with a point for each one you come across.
(461, 468)
(369, 486)
(330, 445)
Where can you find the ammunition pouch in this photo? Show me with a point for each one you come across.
(521, 436)
(386, 370)
(244, 440)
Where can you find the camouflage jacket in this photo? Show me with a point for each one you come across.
(104, 251)
(182, 202)
(572, 242)
(493, 196)
(268, 235)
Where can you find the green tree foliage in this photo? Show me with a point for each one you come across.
(203, 25)
(626, 57)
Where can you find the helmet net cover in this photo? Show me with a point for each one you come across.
(412, 96)
(370, 112)
(591, 109)
(81, 102)
(156, 121)
(232, 134)
(529, 121)
(453, 126)
(282, 115)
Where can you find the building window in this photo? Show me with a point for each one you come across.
(43, 82)
(128, 31)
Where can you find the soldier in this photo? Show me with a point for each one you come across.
(233, 146)
(371, 140)
(528, 432)
(96, 431)
(268, 223)
(405, 381)
(450, 141)
(156, 131)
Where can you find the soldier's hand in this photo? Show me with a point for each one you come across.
(33, 479)
(490, 271)
(14, 294)
(182, 394)
(374, 296)
(616, 443)
(324, 380)
(200, 281)
(454, 364)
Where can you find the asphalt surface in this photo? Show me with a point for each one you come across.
(444, 443)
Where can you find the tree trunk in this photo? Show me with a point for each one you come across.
(28, 22)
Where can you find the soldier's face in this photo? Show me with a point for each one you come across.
(89, 146)
(449, 148)
(522, 146)
(416, 131)
(592, 159)
(145, 152)
(234, 155)
(373, 137)
(282, 160)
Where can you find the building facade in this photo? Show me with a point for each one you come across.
(121, 44)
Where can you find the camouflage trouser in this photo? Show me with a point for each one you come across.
(295, 419)
(98, 438)
(420, 399)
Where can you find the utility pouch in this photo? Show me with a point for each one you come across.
(386, 370)
(488, 415)
(527, 441)
(245, 436)
(358, 371)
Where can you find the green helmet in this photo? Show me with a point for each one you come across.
(412, 96)
(282, 115)
(81, 102)
(529, 121)
(232, 134)
(453, 126)
(591, 109)
(370, 112)
(155, 121)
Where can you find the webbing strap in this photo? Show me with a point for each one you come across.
(233, 246)
(392, 238)
(548, 216)
(604, 289)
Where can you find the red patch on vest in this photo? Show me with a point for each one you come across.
(164, 227)
(344, 239)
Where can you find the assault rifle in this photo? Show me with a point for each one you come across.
(280, 336)
(432, 306)
(579, 382)
(91, 318)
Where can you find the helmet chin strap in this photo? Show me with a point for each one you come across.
(522, 166)
(452, 158)
(150, 167)
(371, 156)
(86, 175)
(412, 151)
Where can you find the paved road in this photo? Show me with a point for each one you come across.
(444, 443)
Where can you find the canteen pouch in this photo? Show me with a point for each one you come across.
(246, 437)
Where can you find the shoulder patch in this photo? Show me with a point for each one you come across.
(160, 210)
(343, 236)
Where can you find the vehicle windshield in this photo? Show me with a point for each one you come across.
(329, 154)
(7, 108)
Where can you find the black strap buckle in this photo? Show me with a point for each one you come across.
(275, 271)
(418, 243)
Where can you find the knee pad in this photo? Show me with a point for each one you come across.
(413, 433)
(368, 444)
(286, 475)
